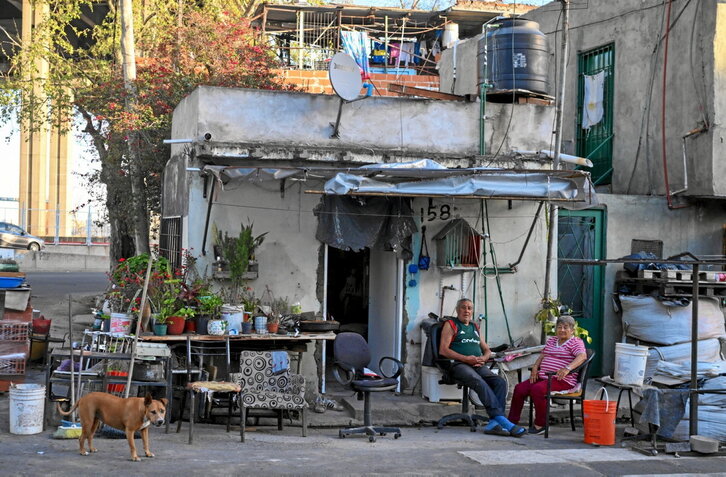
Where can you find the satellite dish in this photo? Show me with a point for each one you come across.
(344, 74)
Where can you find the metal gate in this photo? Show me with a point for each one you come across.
(581, 234)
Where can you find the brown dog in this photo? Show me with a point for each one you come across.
(129, 415)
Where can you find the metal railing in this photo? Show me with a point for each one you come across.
(59, 226)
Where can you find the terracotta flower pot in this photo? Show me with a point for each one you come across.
(273, 327)
(190, 326)
(175, 325)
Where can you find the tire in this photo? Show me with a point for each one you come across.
(34, 246)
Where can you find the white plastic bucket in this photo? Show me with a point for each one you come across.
(27, 408)
(630, 363)
(120, 323)
(233, 315)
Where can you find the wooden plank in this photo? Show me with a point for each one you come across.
(12, 274)
(537, 101)
(426, 93)
(678, 275)
(649, 274)
(712, 276)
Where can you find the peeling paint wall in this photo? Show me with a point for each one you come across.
(694, 88)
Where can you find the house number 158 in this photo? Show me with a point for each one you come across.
(432, 212)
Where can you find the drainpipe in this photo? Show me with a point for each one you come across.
(484, 85)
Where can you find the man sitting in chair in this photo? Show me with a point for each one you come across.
(461, 341)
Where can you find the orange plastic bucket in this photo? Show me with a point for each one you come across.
(599, 421)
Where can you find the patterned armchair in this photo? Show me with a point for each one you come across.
(264, 389)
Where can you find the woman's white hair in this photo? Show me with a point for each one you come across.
(566, 320)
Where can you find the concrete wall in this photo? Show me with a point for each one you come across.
(697, 230)
(521, 291)
(50, 260)
(693, 92)
(283, 125)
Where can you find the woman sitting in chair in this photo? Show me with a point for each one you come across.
(562, 353)
(461, 342)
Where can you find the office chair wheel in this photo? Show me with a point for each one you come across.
(371, 438)
(383, 433)
(397, 435)
(653, 452)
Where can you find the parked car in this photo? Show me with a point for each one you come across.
(12, 236)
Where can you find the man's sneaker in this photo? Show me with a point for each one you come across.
(474, 398)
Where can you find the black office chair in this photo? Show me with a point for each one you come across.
(572, 398)
(351, 357)
(444, 365)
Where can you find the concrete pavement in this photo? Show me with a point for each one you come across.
(422, 450)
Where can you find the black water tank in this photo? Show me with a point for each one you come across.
(517, 56)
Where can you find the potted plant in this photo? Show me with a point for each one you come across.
(273, 323)
(209, 309)
(278, 307)
(188, 313)
(159, 324)
(552, 309)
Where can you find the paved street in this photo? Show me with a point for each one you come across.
(420, 451)
(424, 451)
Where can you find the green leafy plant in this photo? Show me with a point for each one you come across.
(553, 309)
(186, 312)
(210, 305)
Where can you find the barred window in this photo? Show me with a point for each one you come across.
(170, 240)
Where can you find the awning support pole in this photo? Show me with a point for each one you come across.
(209, 213)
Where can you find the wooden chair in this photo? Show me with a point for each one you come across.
(199, 356)
(571, 398)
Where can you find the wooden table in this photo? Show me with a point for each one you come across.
(271, 337)
(254, 340)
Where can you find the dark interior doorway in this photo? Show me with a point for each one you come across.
(348, 274)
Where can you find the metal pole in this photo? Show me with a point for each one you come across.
(398, 328)
(57, 224)
(89, 222)
(325, 312)
(693, 413)
(385, 41)
(300, 38)
(552, 229)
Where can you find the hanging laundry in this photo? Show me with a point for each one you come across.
(406, 55)
(395, 48)
(592, 107)
(356, 44)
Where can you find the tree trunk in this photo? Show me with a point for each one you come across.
(138, 191)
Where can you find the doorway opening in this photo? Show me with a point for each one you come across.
(348, 291)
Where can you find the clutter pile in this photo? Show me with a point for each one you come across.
(655, 316)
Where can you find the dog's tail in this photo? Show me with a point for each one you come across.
(68, 412)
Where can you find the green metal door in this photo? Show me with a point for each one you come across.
(596, 142)
(581, 234)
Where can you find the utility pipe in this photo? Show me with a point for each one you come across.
(669, 197)
(684, 148)
(552, 228)
(483, 86)
(569, 158)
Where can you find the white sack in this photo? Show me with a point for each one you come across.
(647, 319)
(711, 423)
(708, 351)
(714, 399)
